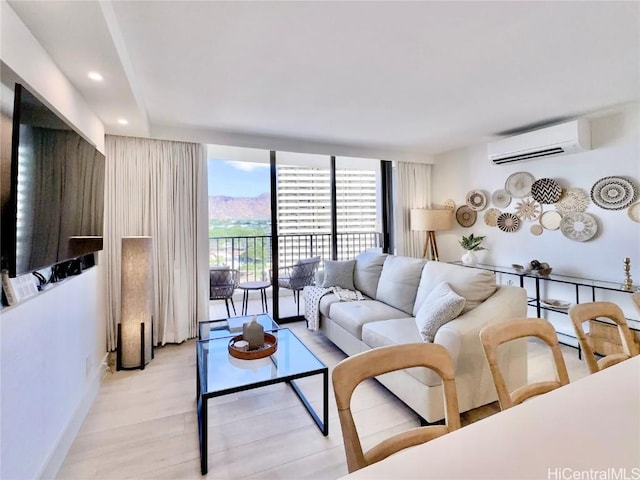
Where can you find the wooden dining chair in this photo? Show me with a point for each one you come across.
(496, 334)
(349, 373)
(585, 312)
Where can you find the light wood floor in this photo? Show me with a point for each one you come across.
(143, 423)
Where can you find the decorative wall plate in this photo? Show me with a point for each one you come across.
(536, 229)
(476, 200)
(613, 193)
(546, 190)
(491, 217)
(501, 198)
(508, 222)
(465, 216)
(634, 212)
(573, 200)
(578, 226)
(518, 185)
(528, 209)
(551, 220)
(449, 204)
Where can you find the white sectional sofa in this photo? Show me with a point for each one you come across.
(396, 288)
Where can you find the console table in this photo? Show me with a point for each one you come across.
(579, 286)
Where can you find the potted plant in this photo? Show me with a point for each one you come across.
(471, 244)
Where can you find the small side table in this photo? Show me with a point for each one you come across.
(262, 287)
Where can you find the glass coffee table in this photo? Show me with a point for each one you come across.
(231, 327)
(218, 373)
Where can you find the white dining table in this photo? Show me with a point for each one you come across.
(589, 429)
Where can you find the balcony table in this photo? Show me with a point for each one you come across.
(591, 425)
(260, 286)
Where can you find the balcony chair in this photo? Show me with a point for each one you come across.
(585, 312)
(496, 334)
(296, 277)
(222, 282)
(349, 373)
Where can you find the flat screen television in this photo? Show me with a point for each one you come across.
(55, 207)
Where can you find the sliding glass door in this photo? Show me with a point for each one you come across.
(240, 249)
(275, 218)
(358, 209)
(303, 224)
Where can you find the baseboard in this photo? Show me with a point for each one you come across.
(55, 459)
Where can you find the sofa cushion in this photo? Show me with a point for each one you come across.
(339, 274)
(352, 315)
(399, 331)
(366, 273)
(473, 284)
(399, 282)
(441, 306)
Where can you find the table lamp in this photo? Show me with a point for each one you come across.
(430, 221)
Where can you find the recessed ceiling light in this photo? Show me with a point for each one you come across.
(123, 121)
(95, 76)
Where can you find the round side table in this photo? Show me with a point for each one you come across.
(262, 287)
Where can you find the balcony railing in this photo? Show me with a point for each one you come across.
(252, 255)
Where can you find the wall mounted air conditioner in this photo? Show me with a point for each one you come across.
(569, 137)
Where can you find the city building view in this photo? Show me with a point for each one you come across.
(240, 210)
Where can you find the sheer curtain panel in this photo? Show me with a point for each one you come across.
(412, 190)
(158, 188)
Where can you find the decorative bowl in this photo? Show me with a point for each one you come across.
(267, 348)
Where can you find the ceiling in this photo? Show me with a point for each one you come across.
(365, 78)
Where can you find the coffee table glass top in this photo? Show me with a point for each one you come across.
(232, 326)
(220, 372)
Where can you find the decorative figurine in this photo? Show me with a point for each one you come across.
(628, 283)
(253, 333)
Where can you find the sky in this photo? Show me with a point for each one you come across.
(237, 179)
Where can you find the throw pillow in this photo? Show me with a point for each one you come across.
(339, 274)
(441, 306)
(399, 281)
(366, 273)
(471, 283)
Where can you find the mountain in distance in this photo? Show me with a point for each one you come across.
(240, 208)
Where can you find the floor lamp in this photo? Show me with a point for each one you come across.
(135, 330)
(431, 221)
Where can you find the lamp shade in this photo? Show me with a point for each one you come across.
(136, 295)
(431, 220)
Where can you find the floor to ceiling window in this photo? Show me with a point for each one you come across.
(239, 225)
(323, 207)
(358, 209)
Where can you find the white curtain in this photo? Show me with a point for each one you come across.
(159, 188)
(412, 189)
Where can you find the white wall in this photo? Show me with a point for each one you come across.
(50, 374)
(51, 346)
(615, 151)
